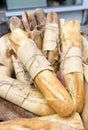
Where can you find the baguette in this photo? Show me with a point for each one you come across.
(24, 96)
(25, 21)
(51, 39)
(54, 92)
(40, 18)
(31, 28)
(29, 21)
(35, 34)
(71, 62)
(74, 121)
(9, 111)
(21, 73)
(15, 22)
(32, 21)
(27, 124)
(6, 66)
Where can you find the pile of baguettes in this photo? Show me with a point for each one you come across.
(44, 69)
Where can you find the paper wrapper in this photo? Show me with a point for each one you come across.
(73, 58)
(50, 37)
(71, 62)
(34, 60)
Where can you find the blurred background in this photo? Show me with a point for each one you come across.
(67, 9)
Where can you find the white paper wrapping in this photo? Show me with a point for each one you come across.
(50, 37)
(71, 61)
(33, 59)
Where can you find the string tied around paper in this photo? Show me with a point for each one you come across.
(34, 60)
(71, 60)
(51, 37)
(39, 31)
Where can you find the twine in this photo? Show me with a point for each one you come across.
(34, 58)
(10, 84)
(65, 54)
